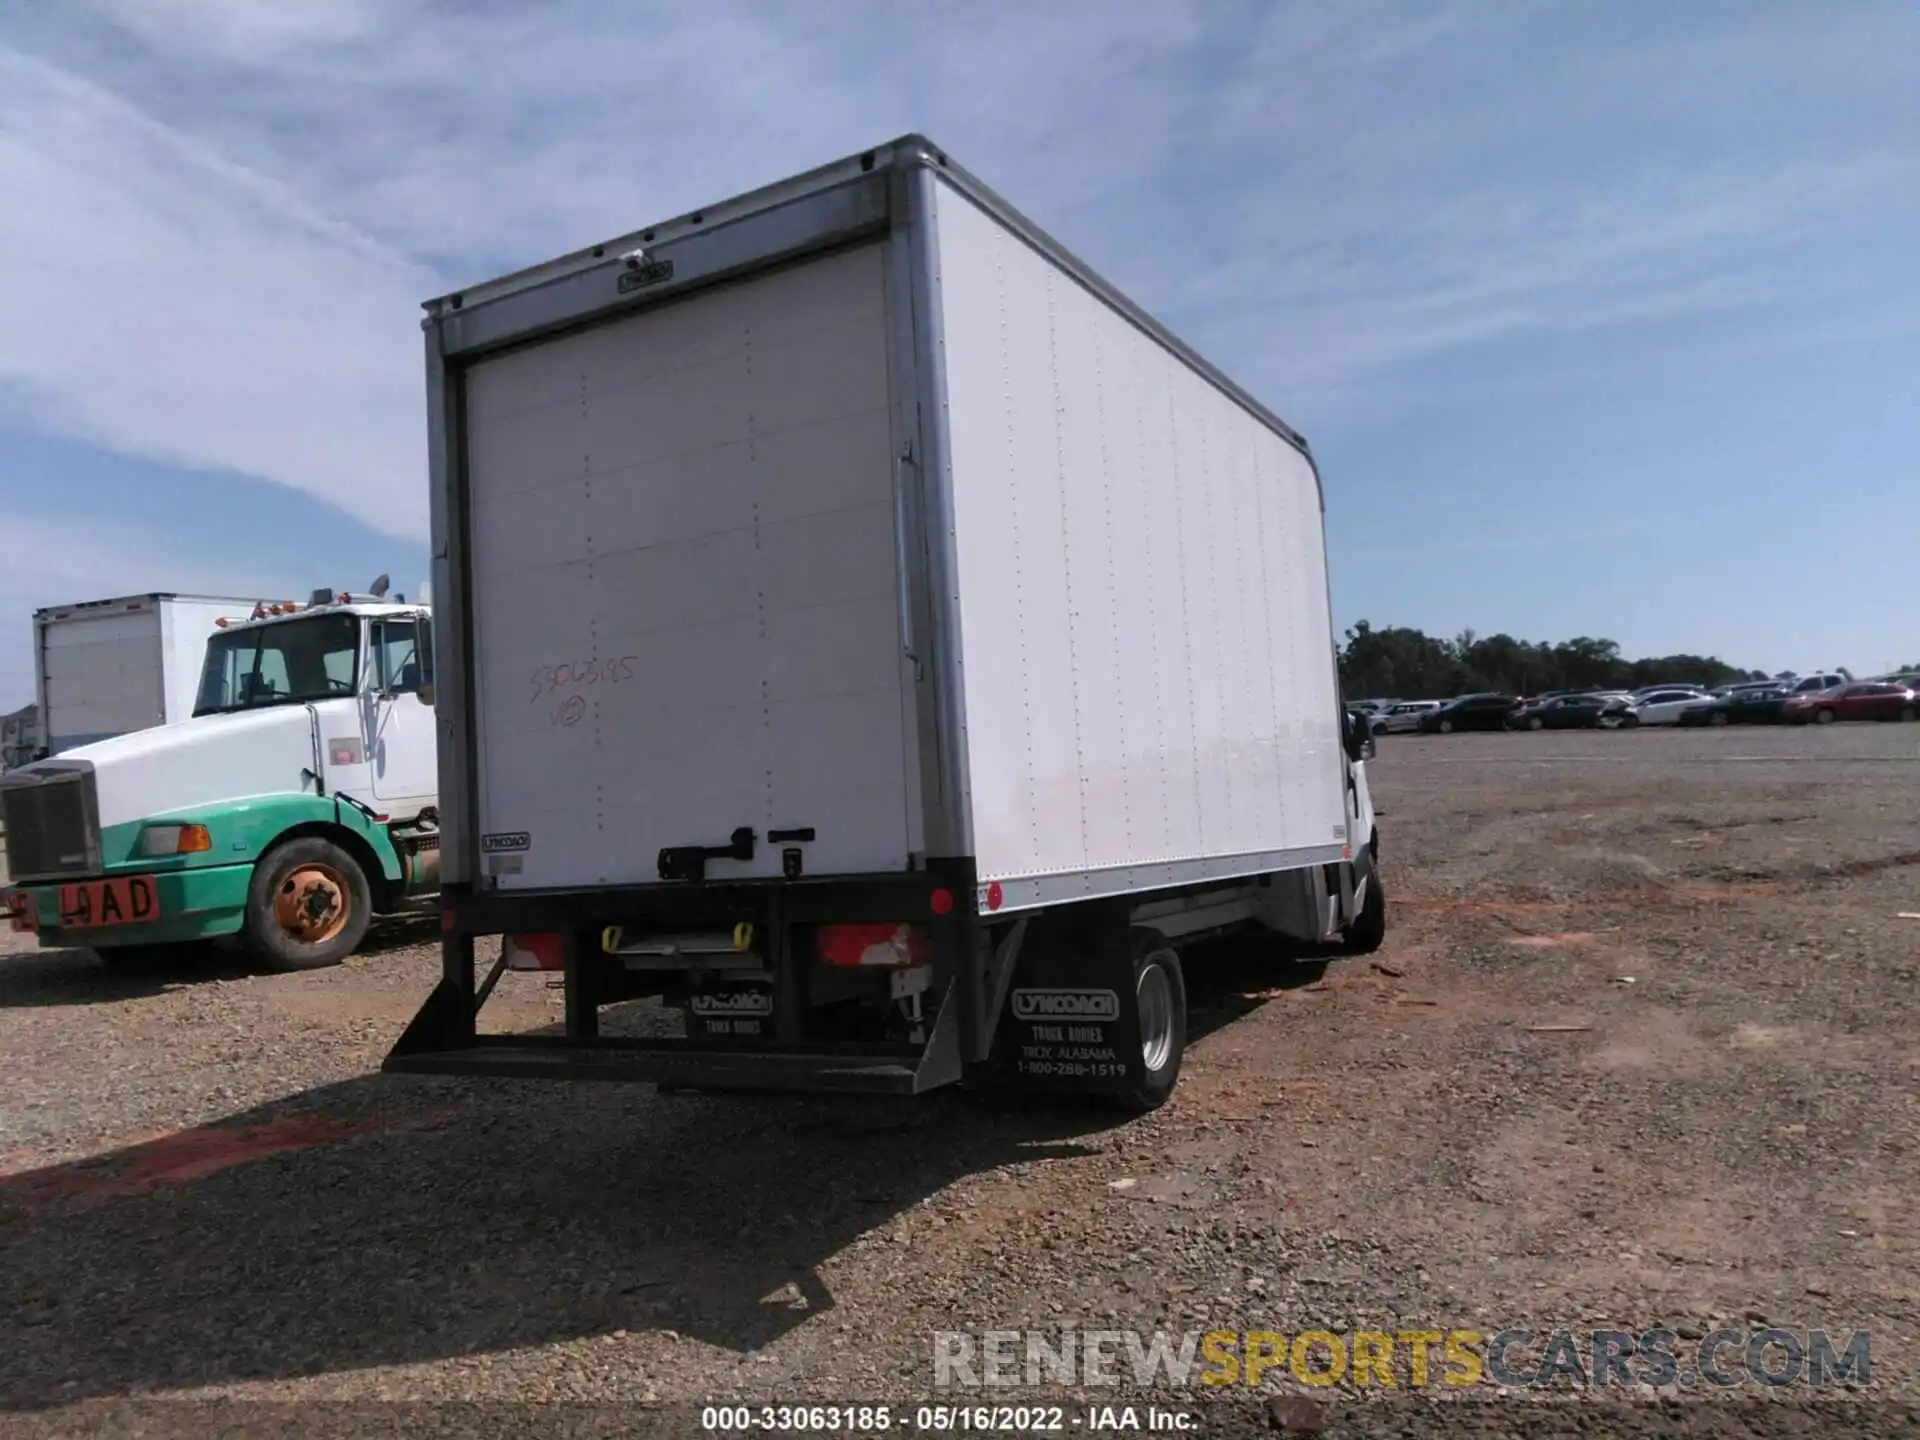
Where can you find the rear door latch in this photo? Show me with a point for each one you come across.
(689, 862)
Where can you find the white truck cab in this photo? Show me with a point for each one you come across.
(298, 800)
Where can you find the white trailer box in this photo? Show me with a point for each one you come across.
(109, 667)
(851, 531)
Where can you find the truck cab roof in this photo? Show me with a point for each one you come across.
(371, 608)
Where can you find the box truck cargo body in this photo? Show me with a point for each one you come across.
(869, 631)
(110, 667)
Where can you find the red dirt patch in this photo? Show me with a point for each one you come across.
(183, 1156)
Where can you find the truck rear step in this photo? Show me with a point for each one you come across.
(901, 1072)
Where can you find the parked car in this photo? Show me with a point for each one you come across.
(1484, 711)
(1815, 684)
(1671, 685)
(1403, 717)
(1664, 707)
(1856, 700)
(1744, 706)
(1575, 712)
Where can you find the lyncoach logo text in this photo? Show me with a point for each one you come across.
(507, 843)
(737, 1002)
(1066, 1005)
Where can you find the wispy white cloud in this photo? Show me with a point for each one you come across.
(163, 300)
(52, 559)
(254, 31)
(1337, 311)
(246, 199)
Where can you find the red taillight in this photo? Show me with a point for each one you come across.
(18, 907)
(447, 924)
(895, 947)
(533, 952)
(941, 902)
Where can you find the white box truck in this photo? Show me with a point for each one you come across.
(109, 667)
(865, 629)
(20, 737)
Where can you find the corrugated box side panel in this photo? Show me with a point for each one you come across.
(1142, 590)
(187, 623)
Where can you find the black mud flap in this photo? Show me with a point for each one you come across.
(1071, 1024)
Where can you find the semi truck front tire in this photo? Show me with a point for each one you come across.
(308, 906)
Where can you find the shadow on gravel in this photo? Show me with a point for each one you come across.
(398, 932)
(32, 978)
(1230, 979)
(390, 1220)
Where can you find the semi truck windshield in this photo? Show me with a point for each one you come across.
(294, 660)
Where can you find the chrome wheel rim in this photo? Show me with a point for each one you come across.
(1153, 996)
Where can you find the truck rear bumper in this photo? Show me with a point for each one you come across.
(782, 1053)
(196, 904)
(714, 904)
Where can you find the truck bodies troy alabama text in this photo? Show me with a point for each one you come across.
(865, 629)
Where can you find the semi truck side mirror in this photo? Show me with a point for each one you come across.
(1360, 744)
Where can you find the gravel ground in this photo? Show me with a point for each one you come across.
(1641, 1050)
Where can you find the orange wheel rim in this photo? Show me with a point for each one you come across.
(313, 904)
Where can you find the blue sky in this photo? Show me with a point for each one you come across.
(1602, 320)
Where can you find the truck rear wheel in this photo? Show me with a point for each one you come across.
(1160, 996)
(308, 907)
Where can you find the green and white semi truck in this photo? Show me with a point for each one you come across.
(297, 801)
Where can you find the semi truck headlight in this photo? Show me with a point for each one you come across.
(175, 840)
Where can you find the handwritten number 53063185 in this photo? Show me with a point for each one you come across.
(548, 679)
(573, 676)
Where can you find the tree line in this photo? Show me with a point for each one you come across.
(1408, 664)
